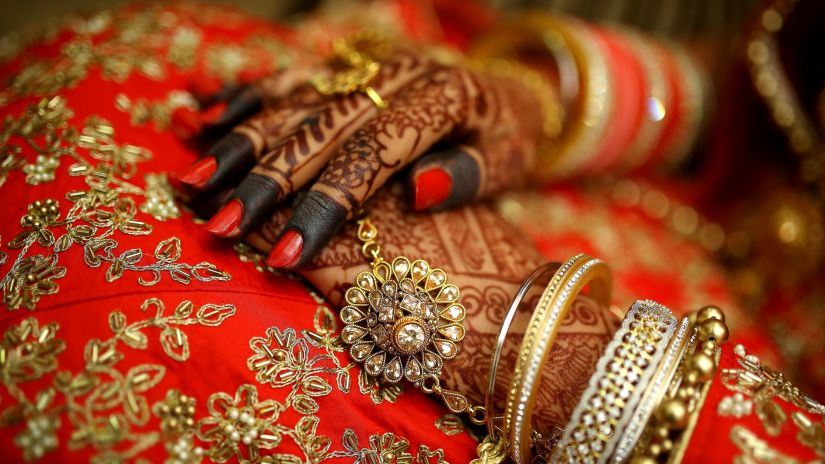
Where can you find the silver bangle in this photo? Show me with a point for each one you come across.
(617, 386)
(529, 282)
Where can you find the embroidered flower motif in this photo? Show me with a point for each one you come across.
(30, 279)
(159, 201)
(29, 351)
(40, 215)
(176, 413)
(121, 218)
(38, 437)
(241, 426)
(184, 451)
(386, 448)
(42, 170)
(280, 359)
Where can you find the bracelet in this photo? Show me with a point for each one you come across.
(555, 302)
(529, 283)
(616, 387)
(655, 392)
(669, 429)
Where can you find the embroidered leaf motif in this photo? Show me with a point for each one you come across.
(213, 315)
(305, 405)
(325, 320)
(117, 321)
(175, 343)
(144, 377)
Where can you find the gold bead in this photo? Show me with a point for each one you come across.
(710, 312)
(662, 432)
(673, 413)
(702, 365)
(654, 449)
(690, 378)
(642, 460)
(713, 329)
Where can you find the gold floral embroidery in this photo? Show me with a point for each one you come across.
(754, 449)
(450, 424)
(762, 385)
(159, 113)
(387, 448)
(102, 403)
(150, 41)
(107, 207)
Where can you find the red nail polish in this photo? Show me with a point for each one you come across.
(213, 113)
(432, 186)
(225, 222)
(204, 87)
(199, 173)
(287, 251)
(186, 123)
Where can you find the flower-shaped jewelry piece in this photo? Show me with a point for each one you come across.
(403, 320)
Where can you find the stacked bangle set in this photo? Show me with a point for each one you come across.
(629, 101)
(639, 401)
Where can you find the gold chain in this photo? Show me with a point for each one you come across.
(368, 235)
(357, 54)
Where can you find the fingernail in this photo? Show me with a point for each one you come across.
(186, 123)
(199, 173)
(287, 251)
(225, 222)
(213, 113)
(432, 187)
(205, 88)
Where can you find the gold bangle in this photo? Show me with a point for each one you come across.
(555, 302)
(584, 87)
(668, 431)
(628, 368)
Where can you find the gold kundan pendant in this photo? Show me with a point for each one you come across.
(403, 320)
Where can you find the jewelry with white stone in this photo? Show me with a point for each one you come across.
(616, 387)
(673, 358)
(403, 320)
(567, 283)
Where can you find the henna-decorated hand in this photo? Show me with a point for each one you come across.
(344, 148)
(487, 259)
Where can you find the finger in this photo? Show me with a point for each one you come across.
(429, 109)
(447, 178)
(463, 174)
(237, 152)
(225, 105)
(300, 157)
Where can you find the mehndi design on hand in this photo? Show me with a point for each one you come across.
(344, 148)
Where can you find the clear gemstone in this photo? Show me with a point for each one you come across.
(431, 361)
(454, 313)
(436, 279)
(596, 446)
(390, 288)
(419, 270)
(413, 370)
(366, 281)
(606, 430)
(386, 312)
(624, 393)
(408, 286)
(356, 296)
(410, 337)
(454, 332)
(351, 314)
(410, 304)
(587, 419)
(428, 311)
(400, 267)
(393, 371)
(374, 364)
(448, 294)
(359, 351)
(601, 416)
(352, 333)
(446, 348)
